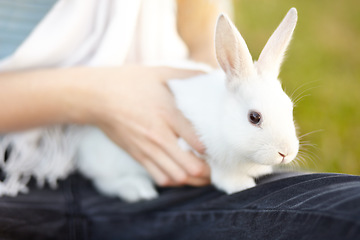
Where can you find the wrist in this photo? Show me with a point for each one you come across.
(79, 96)
(44, 97)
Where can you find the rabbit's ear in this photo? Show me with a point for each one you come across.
(231, 51)
(273, 53)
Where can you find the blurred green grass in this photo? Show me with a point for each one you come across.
(324, 61)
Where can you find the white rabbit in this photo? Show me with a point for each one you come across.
(241, 114)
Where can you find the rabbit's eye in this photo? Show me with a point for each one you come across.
(254, 117)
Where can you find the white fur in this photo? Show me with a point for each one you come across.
(112, 170)
(218, 105)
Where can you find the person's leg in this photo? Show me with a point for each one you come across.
(41, 214)
(312, 206)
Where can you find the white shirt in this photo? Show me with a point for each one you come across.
(101, 32)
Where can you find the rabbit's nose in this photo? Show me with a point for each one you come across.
(281, 154)
(283, 157)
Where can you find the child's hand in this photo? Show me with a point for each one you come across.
(134, 107)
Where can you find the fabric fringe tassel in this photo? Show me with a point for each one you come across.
(47, 154)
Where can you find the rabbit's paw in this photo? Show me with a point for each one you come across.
(129, 188)
(232, 183)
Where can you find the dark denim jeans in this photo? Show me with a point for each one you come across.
(282, 206)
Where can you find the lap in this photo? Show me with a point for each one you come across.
(307, 206)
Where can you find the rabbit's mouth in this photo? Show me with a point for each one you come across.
(288, 158)
(272, 157)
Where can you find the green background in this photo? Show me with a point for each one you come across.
(322, 63)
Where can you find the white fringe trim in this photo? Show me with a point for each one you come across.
(48, 154)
